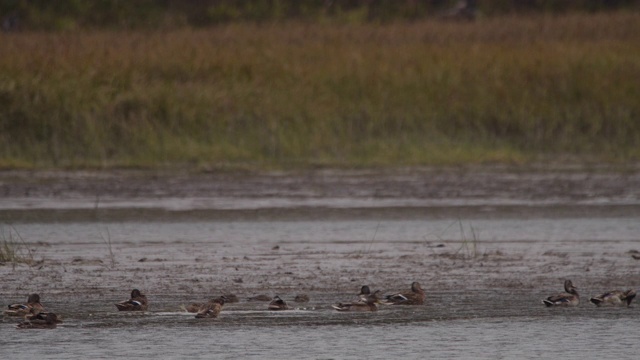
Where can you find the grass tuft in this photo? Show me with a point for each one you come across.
(13, 249)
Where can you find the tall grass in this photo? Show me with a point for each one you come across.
(499, 90)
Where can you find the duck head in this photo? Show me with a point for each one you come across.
(364, 290)
(33, 298)
(415, 287)
(568, 287)
(629, 295)
(220, 300)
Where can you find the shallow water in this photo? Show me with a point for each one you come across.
(490, 328)
(481, 324)
(565, 229)
(483, 305)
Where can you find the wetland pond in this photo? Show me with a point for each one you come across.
(487, 245)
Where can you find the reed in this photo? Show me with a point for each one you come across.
(13, 249)
(508, 89)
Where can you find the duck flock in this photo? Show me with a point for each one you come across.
(34, 315)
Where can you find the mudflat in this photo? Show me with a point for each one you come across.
(193, 236)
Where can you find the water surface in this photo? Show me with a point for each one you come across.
(486, 246)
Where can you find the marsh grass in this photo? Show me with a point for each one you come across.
(469, 240)
(500, 90)
(13, 248)
(469, 243)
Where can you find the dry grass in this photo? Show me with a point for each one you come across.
(499, 90)
(13, 249)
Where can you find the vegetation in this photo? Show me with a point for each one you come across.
(503, 89)
(13, 249)
(73, 14)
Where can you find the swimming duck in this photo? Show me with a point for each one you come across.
(278, 304)
(569, 298)
(615, 297)
(212, 309)
(195, 307)
(365, 295)
(415, 297)
(32, 305)
(137, 302)
(41, 320)
(367, 303)
(301, 298)
(42, 315)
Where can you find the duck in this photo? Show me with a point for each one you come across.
(366, 295)
(195, 307)
(41, 320)
(367, 303)
(42, 315)
(212, 309)
(615, 297)
(569, 298)
(137, 302)
(415, 297)
(278, 304)
(33, 305)
(365, 290)
(301, 298)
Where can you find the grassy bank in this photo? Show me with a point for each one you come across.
(499, 90)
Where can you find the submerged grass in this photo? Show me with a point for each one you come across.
(499, 90)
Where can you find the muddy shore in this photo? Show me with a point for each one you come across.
(174, 269)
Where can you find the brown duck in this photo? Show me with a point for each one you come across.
(195, 307)
(368, 302)
(278, 304)
(137, 302)
(615, 297)
(212, 309)
(569, 298)
(415, 297)
(41, 320)
(32, 306)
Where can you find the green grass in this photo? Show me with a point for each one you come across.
(502, 90)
